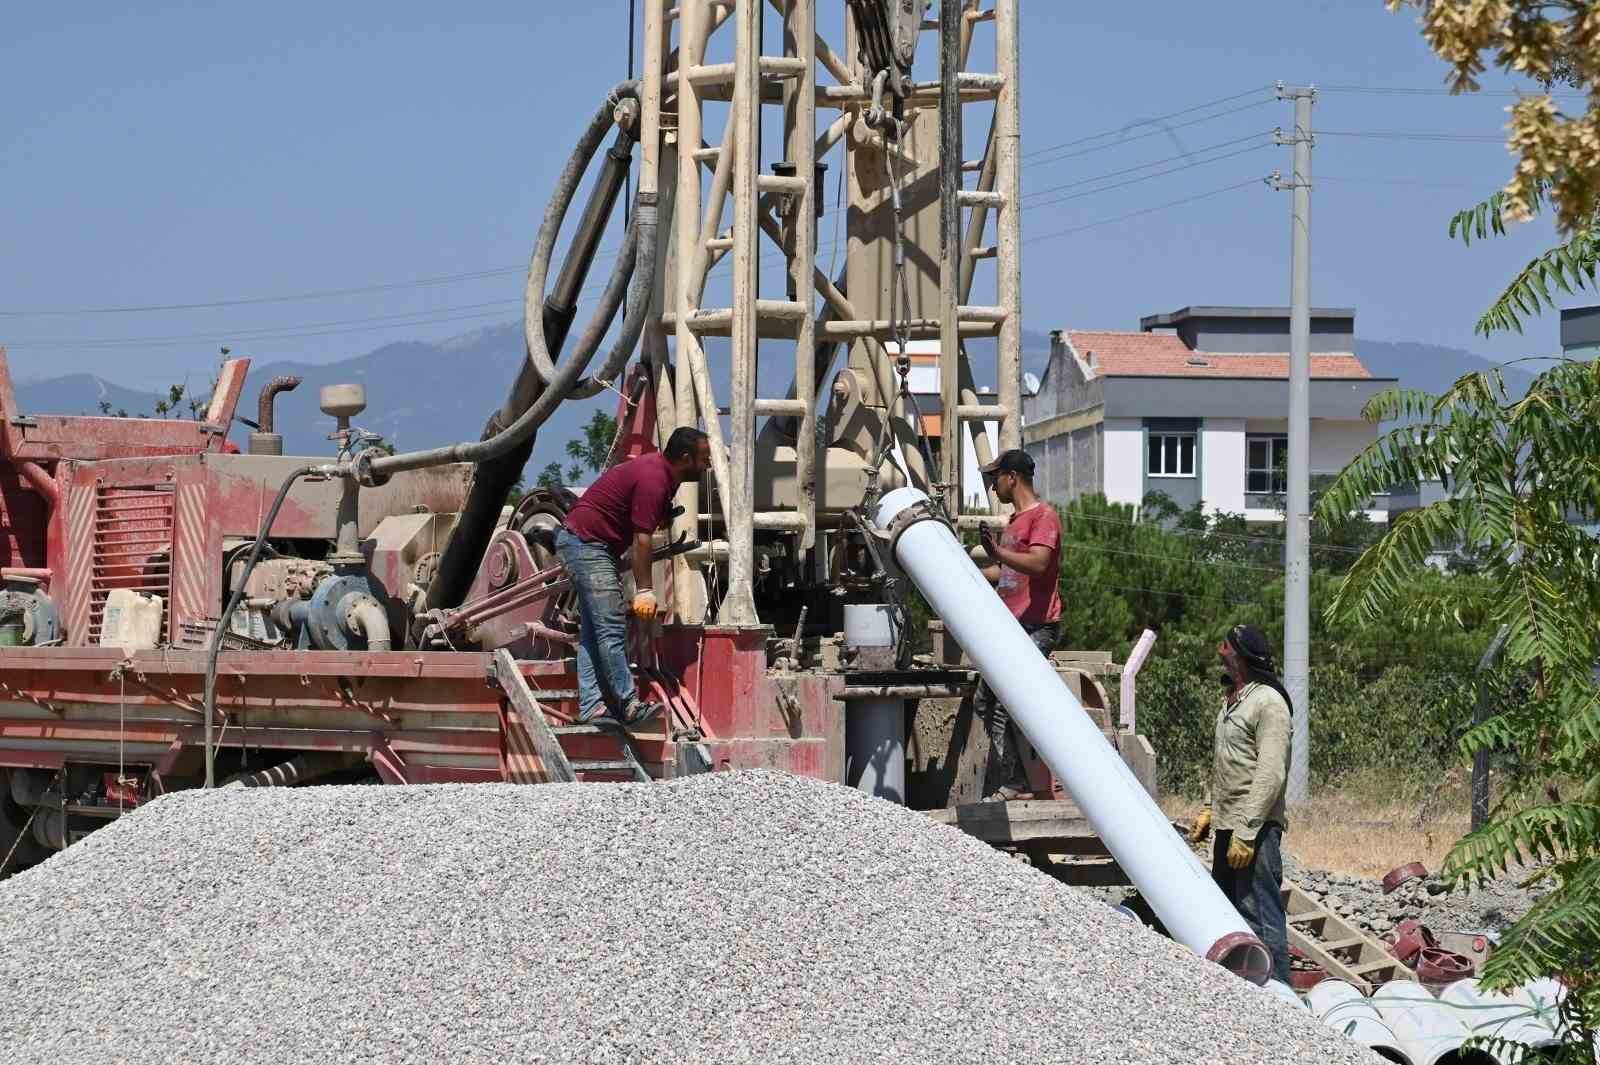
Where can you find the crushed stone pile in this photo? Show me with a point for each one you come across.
(734, 917)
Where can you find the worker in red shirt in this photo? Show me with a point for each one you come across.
(1025, 567)
(619, 512)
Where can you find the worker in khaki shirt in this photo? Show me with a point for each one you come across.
(1249, 776)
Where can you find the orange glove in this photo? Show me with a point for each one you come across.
(1240, 853)
(1201, 827)
(644, 605)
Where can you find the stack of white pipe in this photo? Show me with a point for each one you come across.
(1345, 1009)
(1512, 1016)
(1430, 1032)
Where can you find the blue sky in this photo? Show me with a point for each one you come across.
(168, 153)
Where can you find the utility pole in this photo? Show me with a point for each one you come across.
(1297, 515)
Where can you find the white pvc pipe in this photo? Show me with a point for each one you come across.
(1500, 1015)
(1346, 1010)
(1430, 1032)
(1282, 990)
(1138, 835)
(1130, 686)
(874, 729)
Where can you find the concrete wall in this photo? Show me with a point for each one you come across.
(1222, 397)
(1334, 442)
(1222, 458)
(1124, 461)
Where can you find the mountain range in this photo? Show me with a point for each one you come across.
(426, 394)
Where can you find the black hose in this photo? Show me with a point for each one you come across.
(215, 644)
(558, 387)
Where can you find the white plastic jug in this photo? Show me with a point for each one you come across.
(131, 621)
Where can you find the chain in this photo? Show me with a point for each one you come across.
(900, 320)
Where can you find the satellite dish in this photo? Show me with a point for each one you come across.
(1030, 384)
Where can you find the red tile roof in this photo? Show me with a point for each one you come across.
(1113, 354)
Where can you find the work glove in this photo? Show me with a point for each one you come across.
(1240, 853)
(644, 605)
(986, 538)
(1201, 827)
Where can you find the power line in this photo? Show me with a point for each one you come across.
(325, 293)
(1398, 90)
(1147, 210)
(1185, 560)
(1149, 177)
(1147, 166)
(1143, 136)
(1148, 121)
(269, 333)
(1399, 181)
(1411, 135)
(1244, 537)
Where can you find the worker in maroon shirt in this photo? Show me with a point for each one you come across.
(1025, 569)
(621, 510)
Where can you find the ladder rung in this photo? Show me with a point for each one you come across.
(981, 314)
(779, 519)
(782, 66)
(972, 166)
(1342, 944)
(720, 244)
(974, 198)
(780, 183)
(789, 310)
(982, 412)
(1307, 918)
(983, 251)
(711, 73)
(708, 154)
(1374, 966)
(789, 408)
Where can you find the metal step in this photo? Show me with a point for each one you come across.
(599, 766)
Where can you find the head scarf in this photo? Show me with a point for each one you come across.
(1250, 644)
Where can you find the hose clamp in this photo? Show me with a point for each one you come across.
(920, 511)
(361, 469)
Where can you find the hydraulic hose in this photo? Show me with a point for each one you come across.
(214, 646)
(494, 479)
(560, 383)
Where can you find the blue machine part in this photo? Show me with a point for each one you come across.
(326, 611)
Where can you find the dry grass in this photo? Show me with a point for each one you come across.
(1368, 827)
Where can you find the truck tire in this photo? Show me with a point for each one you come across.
(13, 818)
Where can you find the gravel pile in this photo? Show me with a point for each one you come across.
(728, 918)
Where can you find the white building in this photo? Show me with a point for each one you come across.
(1195, 405)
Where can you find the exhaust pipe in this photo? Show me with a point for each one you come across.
(1158, 861)
(264, 441)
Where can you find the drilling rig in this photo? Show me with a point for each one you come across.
(177, 614)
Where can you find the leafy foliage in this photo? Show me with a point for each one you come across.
(1548, 40)
(1523, 471)
(591, 453)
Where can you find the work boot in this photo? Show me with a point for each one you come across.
(596, 715)
(638, 712)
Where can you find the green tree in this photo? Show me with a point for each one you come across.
(591, 452)
(1519, 469)
(549, 477)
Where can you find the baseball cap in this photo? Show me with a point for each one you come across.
(1015, 461)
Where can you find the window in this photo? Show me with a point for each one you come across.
(1266, 465)
(1171, 455)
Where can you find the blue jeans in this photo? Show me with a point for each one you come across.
(603, 628)
(1256, 891)
(1004, 768)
